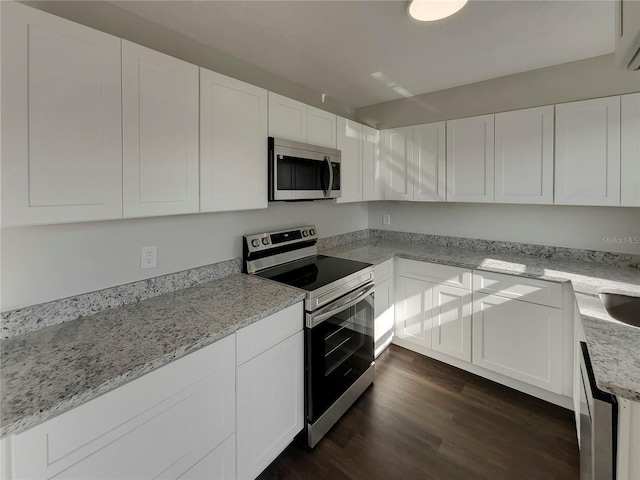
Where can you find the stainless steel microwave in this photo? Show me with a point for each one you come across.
(298, 171)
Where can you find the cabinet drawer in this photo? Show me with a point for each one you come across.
(383, 271)
(525, 289)
(163, 421)
(433, 272)
(264, 334)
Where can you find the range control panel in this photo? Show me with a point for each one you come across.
(260, 242)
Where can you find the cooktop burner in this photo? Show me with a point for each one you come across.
(313, 272)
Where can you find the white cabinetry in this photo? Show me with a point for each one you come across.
(287, 118)
(233, 144)
(350, 144)
(175, 422)
(587, 169)
(518, 330)
(524, 156)
(627, 34)
(470, 159)
(61, 120)
(372, 178)
(270, 391)
(384, 299)
(160, 133)
(433, 307)
(321, 127)
(397, 150)
(630, 150)
(429, 166)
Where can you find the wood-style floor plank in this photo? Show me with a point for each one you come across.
(423, 419)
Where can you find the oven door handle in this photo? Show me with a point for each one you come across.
(347, 301)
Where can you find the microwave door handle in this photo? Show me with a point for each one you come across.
(315, 319)
(327, 192)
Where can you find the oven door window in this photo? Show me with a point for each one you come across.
(339, 351)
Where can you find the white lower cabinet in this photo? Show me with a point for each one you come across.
(383, 305)
(432, 314)
(518, 339)
(166, 424)
(270, 392)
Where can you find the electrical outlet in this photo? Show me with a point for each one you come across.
(149, 257)
(386, 219)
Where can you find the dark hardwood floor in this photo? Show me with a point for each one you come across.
(423, 419)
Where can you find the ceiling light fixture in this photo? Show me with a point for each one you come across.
(430, 10)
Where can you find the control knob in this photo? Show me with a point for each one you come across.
(265, 241)
(305, 233)
(255, 242)
(312, 232)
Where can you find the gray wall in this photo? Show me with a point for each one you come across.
(45, 263)
(121, 23)
(590, 78)
(555, 225)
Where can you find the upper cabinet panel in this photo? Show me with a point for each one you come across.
(587, 170)
(287, 118)
(372, 186)
(350, 144)
(470, 159)
(429, 166)
(233, 144)
(321, 128)
(398, 160)
(61, 120)
(160, 133)
(524, 156)
(630, 151)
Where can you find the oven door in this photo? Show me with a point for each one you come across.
(296, 174)
(339, 348)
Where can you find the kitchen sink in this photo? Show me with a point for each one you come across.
(624, 308)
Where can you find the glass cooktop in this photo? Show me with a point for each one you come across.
(313, 272)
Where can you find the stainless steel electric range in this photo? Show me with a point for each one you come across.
(339, 319)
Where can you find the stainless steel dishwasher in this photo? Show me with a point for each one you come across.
(598, 425)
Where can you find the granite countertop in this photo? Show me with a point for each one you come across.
(49, 371)
(613, 346)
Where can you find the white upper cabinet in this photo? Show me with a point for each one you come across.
(429, 165)
(349, 142)
(398, 163)
(630, 151)
(61, 120)
(470, 159)
(321, 127)
(587, 170)
(160, 100)
(372, 183)
(233, 144)
(524, 156)
(287, 118)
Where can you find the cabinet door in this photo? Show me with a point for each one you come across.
(518, 339)
(413, 310)
(372, 185)
(321, 127)
(398, 163)
(588, 152)
(160, 133)
(270, 405)
(233, 144)
(383, 306)
(61, 120)
(350, 144)
(470, 159)
(630, 150)
(287, 118)
(524, 156)
(451, 329)
(429, 167)
(219, 464)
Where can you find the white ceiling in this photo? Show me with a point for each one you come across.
(366, 52)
